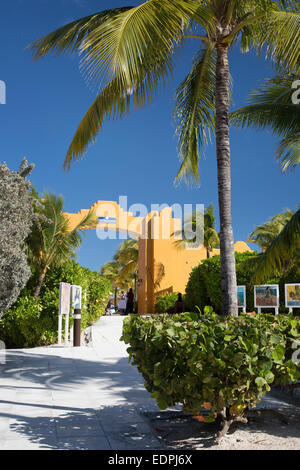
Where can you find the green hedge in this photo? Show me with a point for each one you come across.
(204, 284)
(212, 361)
(166, 303)
(33, 322)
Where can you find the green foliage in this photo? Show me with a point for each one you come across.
(204, 285)
(33, 322)
(124, 267)
(271, 106)
(166, 303)
(16, 219)
(283, 251)
(52, 243)
(129, 53)
(211, 360)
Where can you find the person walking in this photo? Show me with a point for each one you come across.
(122, 303)
(130, 301)
(179, 304)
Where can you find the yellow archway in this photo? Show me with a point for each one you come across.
(162, 267)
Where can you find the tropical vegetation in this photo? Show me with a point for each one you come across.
(263, 235)
(38, 241)
(123, 269)
(17, 217)
(193, 225)
(52, 242)
(215, 367)
(131, 51)
(272, 106)
(32, 321)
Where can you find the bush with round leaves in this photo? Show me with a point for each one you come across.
(212, 361)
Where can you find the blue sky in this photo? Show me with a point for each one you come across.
(135, 156)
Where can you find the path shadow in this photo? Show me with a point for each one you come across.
(109, 428)
(61, 402)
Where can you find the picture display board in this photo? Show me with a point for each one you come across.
(64, 298)
(266, 296)
(76, 297)
(241, 295)
(292, 296)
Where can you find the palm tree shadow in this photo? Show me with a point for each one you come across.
(54, 402)
(118, 427)
(57, 402)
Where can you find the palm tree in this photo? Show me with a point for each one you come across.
(111, 270)
(271, 106)
(122, 271)
(128, 255)
(51, 242)
(211, 236)
(131, 51)
(194, 222)
(265, 234)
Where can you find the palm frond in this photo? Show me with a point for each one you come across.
(70, 37)
(194, 112)
(271, 106)
(288, 152)
(113, 102)
(280, 33)
(134, 50)
(281, 250)
(265, 234)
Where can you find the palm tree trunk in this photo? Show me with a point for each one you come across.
(39, 284)
(228, 272)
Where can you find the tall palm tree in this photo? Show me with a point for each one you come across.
(122, 270)
(51, 242)
(196, 221)
(211, 236)
(131, 50)
(265, 234)
(272, 106)
(111, 270)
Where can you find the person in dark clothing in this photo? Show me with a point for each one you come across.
(130, 301)
(179, 304)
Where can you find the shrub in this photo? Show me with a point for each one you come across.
(166, 303)
(16, 219)
(33, 322)
(24, 325)
(217, 362)
(204, 284)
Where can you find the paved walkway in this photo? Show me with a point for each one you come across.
(77, 398)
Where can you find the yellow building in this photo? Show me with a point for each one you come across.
(163, 268)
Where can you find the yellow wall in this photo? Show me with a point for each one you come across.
(163, 268)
